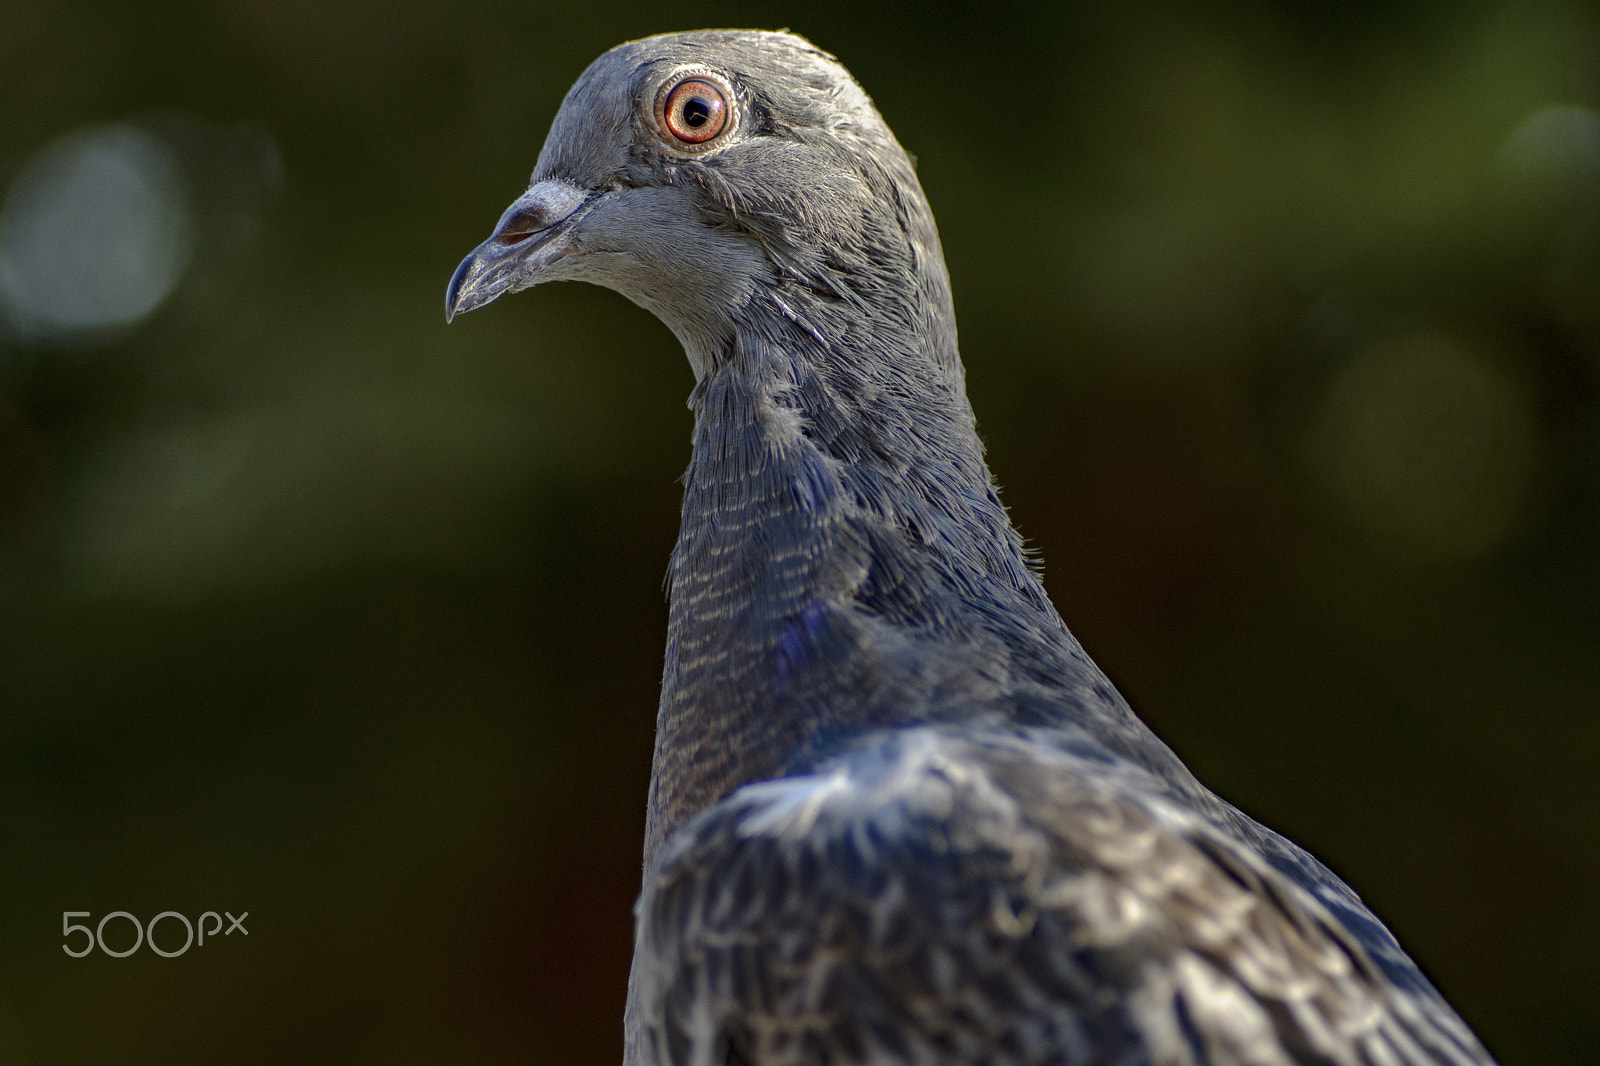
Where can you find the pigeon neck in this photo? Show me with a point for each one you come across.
(840, 541)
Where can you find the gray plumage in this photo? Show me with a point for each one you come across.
(896, 813)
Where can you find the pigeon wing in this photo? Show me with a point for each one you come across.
(939, 896)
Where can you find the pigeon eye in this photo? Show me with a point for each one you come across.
(694, 111)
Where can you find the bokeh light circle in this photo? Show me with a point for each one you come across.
(1428, 446)
(95, 233)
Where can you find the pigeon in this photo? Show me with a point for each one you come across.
(896, 813)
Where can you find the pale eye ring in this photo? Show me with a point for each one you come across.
(694, 109)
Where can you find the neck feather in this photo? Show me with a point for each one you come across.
(842, 559)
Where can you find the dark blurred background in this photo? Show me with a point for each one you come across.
(1282, 321)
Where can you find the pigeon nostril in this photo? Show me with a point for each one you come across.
(522, 225)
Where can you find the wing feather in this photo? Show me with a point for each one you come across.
(947, 896)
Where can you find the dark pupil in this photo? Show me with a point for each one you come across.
(696, 112)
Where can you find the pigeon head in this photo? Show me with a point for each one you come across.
(703, 174)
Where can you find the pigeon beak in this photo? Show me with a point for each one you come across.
(529, 237)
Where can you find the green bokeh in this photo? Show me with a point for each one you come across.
(1282, 322)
